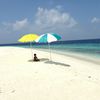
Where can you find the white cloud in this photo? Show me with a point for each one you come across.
(17, 25)
(95, 20)
(46, 20)
(20, 24)
(54, 18)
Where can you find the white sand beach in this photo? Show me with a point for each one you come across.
(65, 78)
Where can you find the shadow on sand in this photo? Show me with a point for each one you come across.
(46, 60)
(57, 63)
(31, 60)
(41, 60)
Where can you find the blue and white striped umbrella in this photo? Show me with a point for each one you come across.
(48, 37)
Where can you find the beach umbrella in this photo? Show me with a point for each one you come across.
(28, 38)
(48, 38)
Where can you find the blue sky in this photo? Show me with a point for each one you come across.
(72, 19)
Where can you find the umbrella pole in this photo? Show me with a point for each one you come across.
(31, 49)
(50, 52)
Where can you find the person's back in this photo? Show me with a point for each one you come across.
(35, 58)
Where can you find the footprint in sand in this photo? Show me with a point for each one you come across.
(89, 76)
(12, 91)
(3, 92)
(0, 90)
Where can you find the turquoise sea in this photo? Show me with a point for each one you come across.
(90, 47)
(86, 51)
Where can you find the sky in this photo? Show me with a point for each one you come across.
(71, 19)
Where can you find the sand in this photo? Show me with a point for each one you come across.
(65, 78)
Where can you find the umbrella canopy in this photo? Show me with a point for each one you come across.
(48, 37)
(28, 38)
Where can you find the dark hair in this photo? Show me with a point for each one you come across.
(35, 54)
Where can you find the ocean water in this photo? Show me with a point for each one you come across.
(90, 48)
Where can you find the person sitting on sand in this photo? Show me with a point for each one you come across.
(35, 58)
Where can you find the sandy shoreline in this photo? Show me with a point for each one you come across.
(66, 78)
